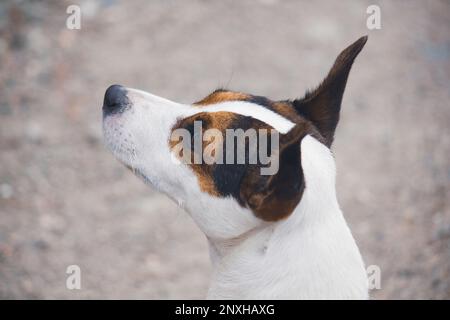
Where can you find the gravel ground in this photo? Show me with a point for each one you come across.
(65, 200)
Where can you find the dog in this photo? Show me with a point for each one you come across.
(279, 236)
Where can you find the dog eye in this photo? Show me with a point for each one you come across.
(190, 127)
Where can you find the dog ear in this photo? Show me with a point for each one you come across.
(273, 197)
(322, 105)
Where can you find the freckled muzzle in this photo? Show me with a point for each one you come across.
(116, 100)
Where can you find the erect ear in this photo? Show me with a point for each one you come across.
(273, 197)
(322, 105)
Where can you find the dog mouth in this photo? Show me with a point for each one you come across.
(123, 149)
(118, 140)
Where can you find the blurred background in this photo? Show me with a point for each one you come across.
(65, 200)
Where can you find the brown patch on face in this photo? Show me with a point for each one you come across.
(205, 180)
(214, 120)
(222, 96)
(271, 198)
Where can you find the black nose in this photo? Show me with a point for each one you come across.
(115, 100)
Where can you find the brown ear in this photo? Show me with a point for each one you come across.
(322, 105)
(275, 197)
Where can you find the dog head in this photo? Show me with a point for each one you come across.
(165, 143)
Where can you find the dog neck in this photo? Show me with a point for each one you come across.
(311, 254)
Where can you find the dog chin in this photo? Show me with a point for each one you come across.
(120, 145)
(125, 157)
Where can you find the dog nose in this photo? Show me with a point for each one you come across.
(115, 100)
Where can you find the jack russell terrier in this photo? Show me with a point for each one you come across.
(271, 236)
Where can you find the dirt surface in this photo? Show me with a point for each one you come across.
(65, 200)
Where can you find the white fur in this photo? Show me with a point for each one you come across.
(311, 254)
(255, 111)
